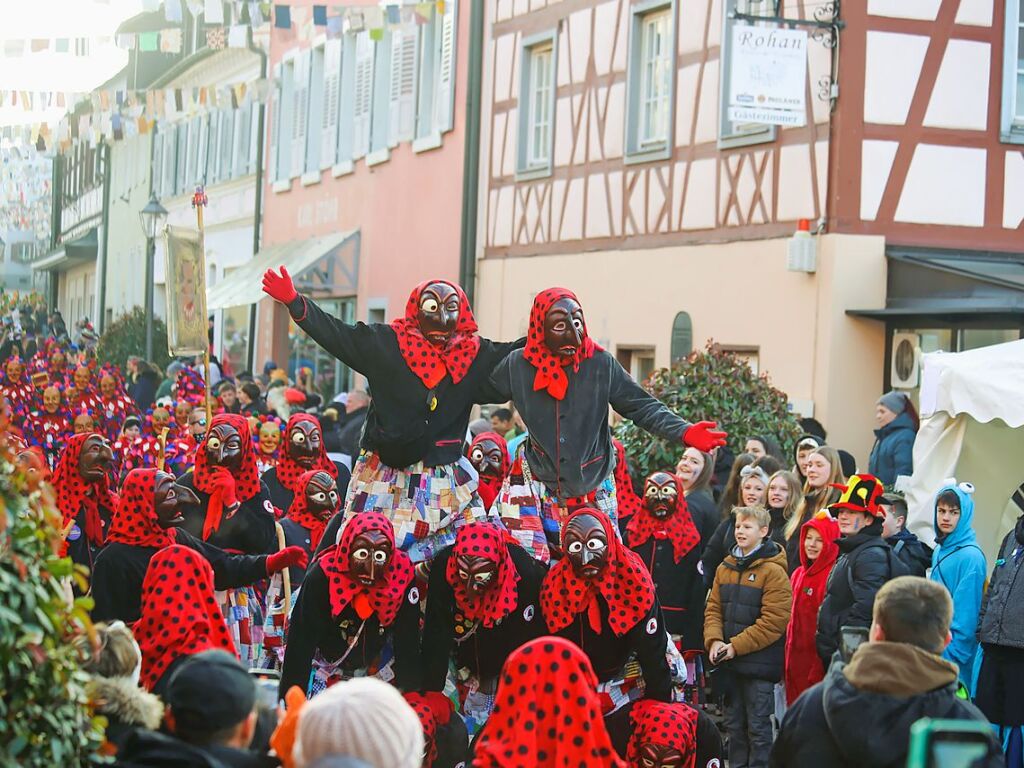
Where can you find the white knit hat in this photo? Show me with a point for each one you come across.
(363, 718)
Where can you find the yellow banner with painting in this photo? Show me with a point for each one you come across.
(186, 292)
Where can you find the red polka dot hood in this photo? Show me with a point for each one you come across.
(135, 521)
(625, 497)
(383, 600)
(550, 374)
(625, 585)
(434, 710)
(427, 361)
(288, 471)
(487, 541)
(678, 527)
(529, 728)
(299, 512)
(180, 615)
(667, 725)
(74, 493)
(489, 487)
(247, 479)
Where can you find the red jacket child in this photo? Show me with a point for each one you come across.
(803, 667)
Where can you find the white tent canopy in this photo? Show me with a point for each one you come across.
(972, 411)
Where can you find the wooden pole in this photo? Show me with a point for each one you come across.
(199, 201)
(161, 455)
(209, 389)
(285, 574)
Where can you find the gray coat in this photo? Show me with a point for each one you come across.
(1001, 620)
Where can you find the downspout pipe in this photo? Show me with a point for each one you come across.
(102, 260)
(471, 158)
(258, 207)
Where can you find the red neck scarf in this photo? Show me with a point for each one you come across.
(434, 710)
(299, 511)
(527, 729)
(247, 480)
(625, 585)
(135, 521)
(625, 497)
(487, 541)
(677, 527)
(180, 616)
(667, 725)
(490, 486)
(385, 599)
(288, 472)
(427, 361)
(74, 493)
(550, 374)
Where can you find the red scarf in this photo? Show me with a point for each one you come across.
(384, 600)
(489, 487)
(247, 481)
(487, 541)
(550, 374)
(135, 521)
(73, 492)
(677, 527)
(626, 500)
(528, 728)
(288, 472)
(180, 616)
(424, 359)
(434, 710)
(299, 512)
(625, 585)
(667, 725)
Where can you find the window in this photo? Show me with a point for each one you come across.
(650, 82)
(638, 361)
(537, 106)
(329, 140)
(362, 94)
(283, 132)
(732, 134)
(436, 67)
(244, 116)
(402, 95)
(299, 113)
(316, 107)
(1012, 122)
(380, 108)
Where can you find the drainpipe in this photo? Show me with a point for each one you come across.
(258, 212)
(101, 263)
(471, 158)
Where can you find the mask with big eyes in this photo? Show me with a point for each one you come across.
(368, 558)
(660, 494)
(322, 496)
(270, 437)
(51, 399)
(486, 456)
(658, 756)
(564, 328)
(224, 447)
(304, 441)
(94, 459)
(108, 386)
(168, 499)
(83, 378)
(477, 573)
(83, 423)
(161, 419)
(586, 546)
(14, 370)
(438, 313)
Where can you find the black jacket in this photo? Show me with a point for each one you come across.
(296, 535)
(250, 530)
(80, 549)
(148, 749)
(1001, 621)
(313, 629)
(484, 652)
(351, 431)
(120, 569)
(865, 563)
(570, 445)
(914, 553)
(705, 515)
(400, 427)
(282, 498)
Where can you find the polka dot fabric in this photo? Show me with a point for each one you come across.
(667, 725)
(247, 480)
(625, 497)
(180, 615)
(678, 527)
(135, 520)
(385, 600)
(490, 486)
(547, 713)
(299, 511)
(288, 472)
(625, 585)
(484, 540)
(429, 363)
(550, 374)
(72, 490)
(434, 710)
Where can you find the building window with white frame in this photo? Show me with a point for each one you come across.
(537, 106)
(1011, 128)
(650, 82)
(735, 134)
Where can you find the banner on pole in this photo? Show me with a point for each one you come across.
(768, 75)
(186, 292)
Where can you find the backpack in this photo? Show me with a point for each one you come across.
(896, 566)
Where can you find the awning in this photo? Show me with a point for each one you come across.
(244, 285)
(80, 250)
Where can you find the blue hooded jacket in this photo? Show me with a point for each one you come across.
(959, 565)
(893, 452)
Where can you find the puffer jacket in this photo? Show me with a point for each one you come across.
(914, 553)
(749, 607)
(893, 452)
(959, 565)
(1001, 621)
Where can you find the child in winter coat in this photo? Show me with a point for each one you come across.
(818, 553)
(960, 566)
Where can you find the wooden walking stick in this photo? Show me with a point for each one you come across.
(285, 574)
(161, 453)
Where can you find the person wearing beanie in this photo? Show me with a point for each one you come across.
(362, 718)
(893, 452)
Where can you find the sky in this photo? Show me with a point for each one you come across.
(50, 71)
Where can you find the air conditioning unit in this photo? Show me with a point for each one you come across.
(905, 366)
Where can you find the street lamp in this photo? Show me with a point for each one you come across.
(153, 218)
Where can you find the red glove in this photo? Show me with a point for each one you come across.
(289, 557)
(703, 436)
(279, 287)
(224, 482)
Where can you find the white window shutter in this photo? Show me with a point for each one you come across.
(346, 101)
(402, 95)
(227, 134)
(158, 146)
(181, 180)
(203, 148)
(329, 111)
(300, 108)
(444, 117)
(362, 95)
(243, 132)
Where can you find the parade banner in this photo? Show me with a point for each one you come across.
(768, 75)
(185, 277)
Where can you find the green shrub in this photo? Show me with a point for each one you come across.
(45, 717)
(126, 336)
(711, 385)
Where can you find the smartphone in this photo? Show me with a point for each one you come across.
(950, 744)
(850, 639)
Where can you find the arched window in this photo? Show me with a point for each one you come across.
(682, 336)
